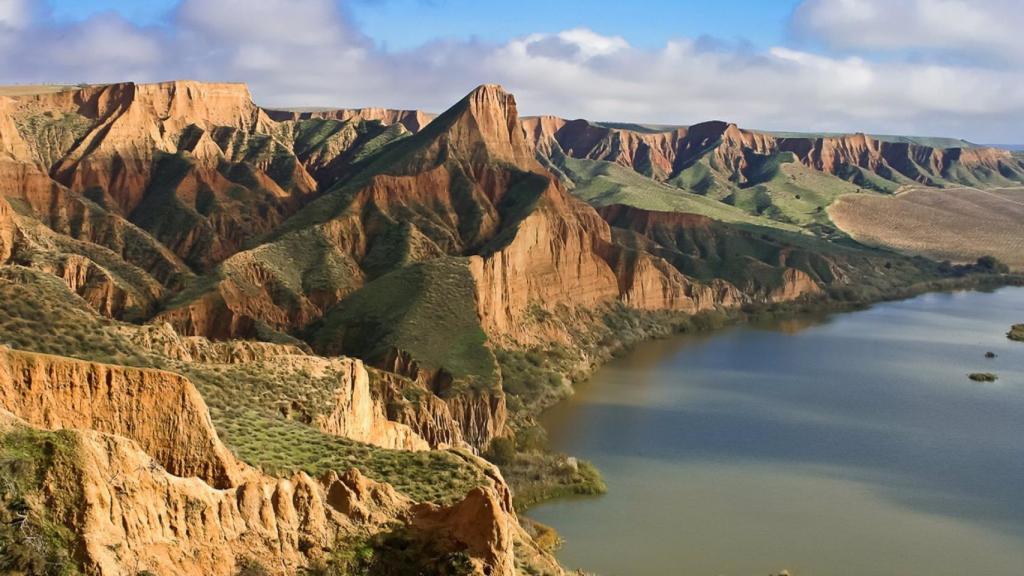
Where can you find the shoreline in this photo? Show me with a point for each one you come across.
(747, 315)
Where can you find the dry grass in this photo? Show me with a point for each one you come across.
(31, 89)
(958, 224)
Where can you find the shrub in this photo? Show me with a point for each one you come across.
(250, 567)
(992, 264)
(502, 451)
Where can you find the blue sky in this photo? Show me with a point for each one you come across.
(922, 67)
(404, 24)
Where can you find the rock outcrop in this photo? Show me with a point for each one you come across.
(161, 411)
(360, 415)
(157, 491)
(663, 153)
(134, 516)
(411, 120)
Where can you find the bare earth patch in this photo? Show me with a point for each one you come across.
(957, 224)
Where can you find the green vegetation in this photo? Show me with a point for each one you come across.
(535, 473)
(38, 313)
(1016, 333)
(52, 134)
(991, 265)
(280, 446)
(537, 377)
(602, 183)
(264, 411)
(427, 310)
(787, 191)
(32, 538)
(250, 567)
(983, 377)
(396, 552)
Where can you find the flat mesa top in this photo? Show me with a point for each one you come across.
(31, 89)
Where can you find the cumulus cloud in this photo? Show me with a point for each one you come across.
(14, 14)
(973, 28)
(308, 53)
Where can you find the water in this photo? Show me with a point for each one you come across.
(849, 445)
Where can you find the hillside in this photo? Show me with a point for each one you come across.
(233, 337)
(957, 224)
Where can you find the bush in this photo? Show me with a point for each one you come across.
(502, 451)
(249, 567)
(992, 264)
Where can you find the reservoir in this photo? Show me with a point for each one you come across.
(851, 444)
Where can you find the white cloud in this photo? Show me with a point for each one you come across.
(972, 28)
(306, 52)
(14, 14)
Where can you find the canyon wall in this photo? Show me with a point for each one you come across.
(662, 153)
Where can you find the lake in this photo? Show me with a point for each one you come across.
(852, 444)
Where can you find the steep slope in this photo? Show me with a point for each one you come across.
(411, 120)
(407, 205)
(198, 166)
(144, 483)
(785, 180)
(665, 154)
(466, 185)
(128, 515)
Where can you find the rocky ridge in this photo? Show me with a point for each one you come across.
(341, 289)
(160, 492)
(665, 154)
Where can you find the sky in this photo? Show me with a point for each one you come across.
(921, 67)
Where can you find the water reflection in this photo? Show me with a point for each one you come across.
(852, 445)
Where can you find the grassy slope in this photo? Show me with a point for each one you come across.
(604, 183)
(37, 313)
(32, 540)
(780, 194)
(427, 310)
(955, 223)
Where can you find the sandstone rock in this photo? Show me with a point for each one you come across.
(412, 120)
(161, 411)
(663, 153)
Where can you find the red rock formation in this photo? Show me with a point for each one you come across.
(192, 508)
(412, 120)
(662, 154)
(161, 411)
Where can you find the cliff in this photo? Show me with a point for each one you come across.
(156, 490)
(160, 411)
(411, 120)
(198, 166)
(131, 515)
(665, 154)
(350, 289)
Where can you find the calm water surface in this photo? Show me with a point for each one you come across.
(853, 445)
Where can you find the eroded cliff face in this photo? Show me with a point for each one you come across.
(197, 165)
(354, 410)
(159, 492)
(161, 411)
(8, 231)
(563, 254)
(469, 183)
(360, 415)
(411, 120)
(772, 270)
(662, 153)
(135, 516)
